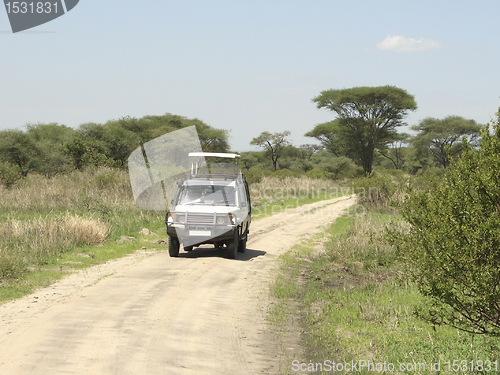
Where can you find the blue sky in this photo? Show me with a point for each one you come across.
(248, 66)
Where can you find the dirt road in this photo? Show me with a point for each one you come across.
(152, 314)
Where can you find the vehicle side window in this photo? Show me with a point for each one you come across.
(247, 192)
(242, 196)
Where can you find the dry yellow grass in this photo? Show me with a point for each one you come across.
(31, 241)
(41, 217)
(72, 191)
(273, 190)
(82, 230)
(85, 230)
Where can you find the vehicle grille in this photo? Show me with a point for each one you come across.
(200, 218)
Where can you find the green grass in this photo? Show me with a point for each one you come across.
(267, 209)
(355, 303)
(273, 195)
(58, 266)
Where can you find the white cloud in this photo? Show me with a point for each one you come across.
(402, 44)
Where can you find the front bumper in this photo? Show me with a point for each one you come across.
(194, 234)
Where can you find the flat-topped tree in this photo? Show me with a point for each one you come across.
(368, 117)
(442, 138)
(274, 144)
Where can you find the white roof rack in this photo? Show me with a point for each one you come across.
(215, 155)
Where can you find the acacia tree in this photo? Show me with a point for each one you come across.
(308, 150)
(212, 139)
(333, 137)
(50, 139)
(17, 148)
(443, 138)
(452, 243)
(274, 144)
(394, 151)
(368, 117)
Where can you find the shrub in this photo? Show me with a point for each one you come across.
(9, 174)
(453, 242)
(427, 179)
(285, 173)
(253, 175)
(340, 167)
(377, 189)
(316, 173)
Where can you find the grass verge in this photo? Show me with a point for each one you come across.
(51, 226)
(348, 292)
(274, 196)
(57, 266)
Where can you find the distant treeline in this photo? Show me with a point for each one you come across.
(51, 149)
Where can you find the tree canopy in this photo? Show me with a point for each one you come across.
(443, 138)
(52, 148)
(333, 137)
(274, 144)
(49, 140)
(18, 148)
(367, 119)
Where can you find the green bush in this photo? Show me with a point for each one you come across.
(316, 173)
(284, 173)
(427, 178)
(339, 167)
(253, 175)
(377, 189)
(453, 242)
(9, 174)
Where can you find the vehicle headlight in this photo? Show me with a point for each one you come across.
(179, 218)
(222, 220)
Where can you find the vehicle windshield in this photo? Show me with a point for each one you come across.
(208, 195)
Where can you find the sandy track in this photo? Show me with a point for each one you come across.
(152, 314)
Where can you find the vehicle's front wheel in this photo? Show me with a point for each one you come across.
(232, 247)
(242, 244)
(173, 246)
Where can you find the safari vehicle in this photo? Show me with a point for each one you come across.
(211, 206)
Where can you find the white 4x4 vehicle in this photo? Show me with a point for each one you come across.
(212, 206)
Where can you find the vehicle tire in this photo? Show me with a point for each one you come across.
(188, 248)
(173, 246)
(232, 247)
(242, 244)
